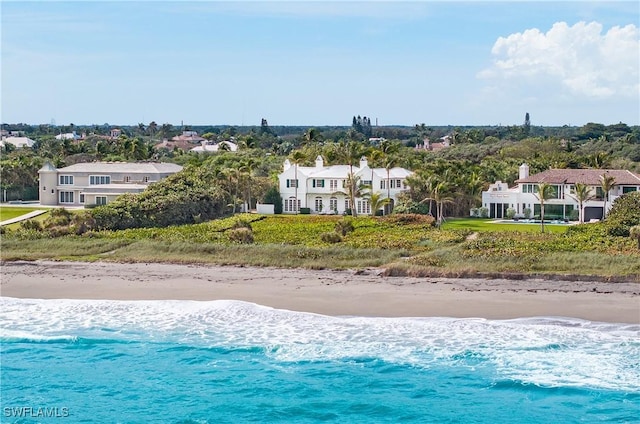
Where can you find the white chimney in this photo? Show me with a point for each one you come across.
(287, 164)
(524, 171)
(363, 162)
(319, 162)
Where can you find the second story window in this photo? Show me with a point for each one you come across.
(99, 179)
(318, 183)
(333, 185)
(292, 183)
(66, 179)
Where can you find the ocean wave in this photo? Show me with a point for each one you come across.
(544, 351)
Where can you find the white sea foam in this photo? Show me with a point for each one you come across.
(544, 351)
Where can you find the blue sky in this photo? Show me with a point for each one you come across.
(320, 63)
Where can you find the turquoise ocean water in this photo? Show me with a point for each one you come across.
(80, 361)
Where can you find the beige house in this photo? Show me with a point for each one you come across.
(97, 183)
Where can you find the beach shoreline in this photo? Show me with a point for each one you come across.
(327, 292)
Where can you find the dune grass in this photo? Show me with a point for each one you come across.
(464, 247)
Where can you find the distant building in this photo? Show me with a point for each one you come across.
(322, 188)
(98, 183)
(18, 142)
(68, 136)
(499, 197)
(216, 147)
(115, 133)
(442, 143)
(190, 137)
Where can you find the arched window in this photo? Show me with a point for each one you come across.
(318, 204)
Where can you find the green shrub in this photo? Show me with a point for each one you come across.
(344, 226)
(527, 213)
(484, 213)
(624, 214)
(331, 237)
(241, 235)
(31, 224)
(409, 218)
(511, 213)
(305, 211)
(241, 223)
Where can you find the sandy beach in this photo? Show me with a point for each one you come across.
(364, 293)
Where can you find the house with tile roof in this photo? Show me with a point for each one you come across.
(322, 188)
(500, 197)
(98, 183)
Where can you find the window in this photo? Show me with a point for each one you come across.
(101, 200)
(66, 197)
(81, 197)
(290, 204)
(367, 183)
(292, 183)
(629, 189)
(398, 183)
(318, 183)
(347, 204)
(333, 185)
(318, 204)
(66, 179)
(383, 184)
(146, 179)
(364, 207)
(127, 179)
(99, 179)
(333, 204)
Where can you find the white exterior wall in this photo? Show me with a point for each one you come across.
(307, 194)
(499, 193)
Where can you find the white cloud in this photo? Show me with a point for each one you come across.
(580, 58)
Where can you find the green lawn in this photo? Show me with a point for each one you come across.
(479, 224)
(11, 212)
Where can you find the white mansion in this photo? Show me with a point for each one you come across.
(322, 188)
(97, 183)
(499, 197)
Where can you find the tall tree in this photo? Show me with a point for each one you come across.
(607, 182)
(545, 192)
(297, 157)
(583, 194)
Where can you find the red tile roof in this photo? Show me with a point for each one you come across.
(584, 176)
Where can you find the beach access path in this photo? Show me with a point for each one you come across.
(363, 293)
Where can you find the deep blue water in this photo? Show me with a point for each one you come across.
(230, 362)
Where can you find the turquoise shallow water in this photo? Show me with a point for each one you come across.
(229, 361)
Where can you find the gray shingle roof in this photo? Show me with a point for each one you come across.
(124, 167)
(584, 176)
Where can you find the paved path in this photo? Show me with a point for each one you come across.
(22, 217)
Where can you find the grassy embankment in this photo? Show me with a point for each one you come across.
(463, 247)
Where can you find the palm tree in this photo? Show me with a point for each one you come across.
(439, 192)
(350, 152)
(582, 195)
(377, 202)
(607, 182)
(354, 191)
(545, 192)
(296, 157)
